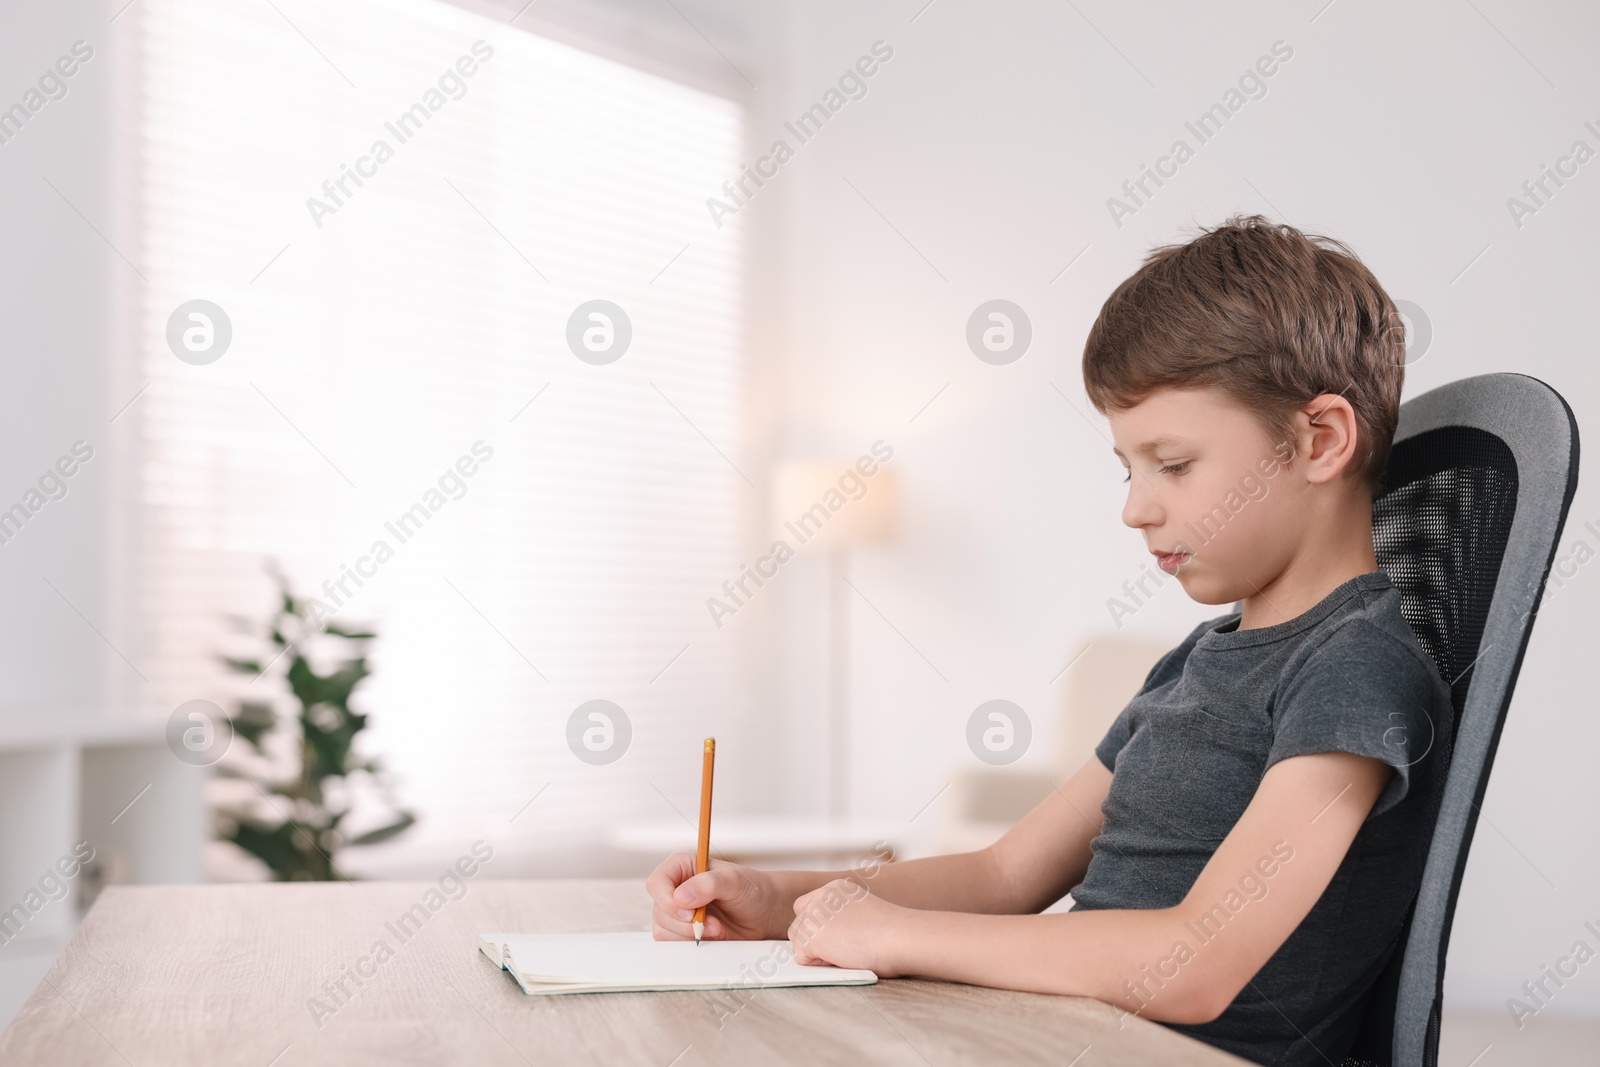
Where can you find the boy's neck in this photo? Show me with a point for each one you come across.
(1318, 570)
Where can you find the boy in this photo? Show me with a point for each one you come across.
(1244, 846)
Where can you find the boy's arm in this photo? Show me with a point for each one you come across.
(1298, 827)
(1035, 864)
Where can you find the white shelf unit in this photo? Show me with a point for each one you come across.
(65, 780)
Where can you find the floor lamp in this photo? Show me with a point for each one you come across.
(833, 507)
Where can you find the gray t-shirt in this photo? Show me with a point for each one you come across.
(1187, 755)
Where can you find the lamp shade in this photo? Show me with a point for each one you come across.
(833, 504)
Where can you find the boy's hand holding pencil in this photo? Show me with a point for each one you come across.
(742, 903)
(695, 899)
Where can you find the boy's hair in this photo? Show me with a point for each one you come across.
(1267, 314)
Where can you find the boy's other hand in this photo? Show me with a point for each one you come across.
(844, 925)
(742, 903)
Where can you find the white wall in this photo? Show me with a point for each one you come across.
(991, 142)
(56, 279)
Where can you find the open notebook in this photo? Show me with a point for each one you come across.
(636, 962)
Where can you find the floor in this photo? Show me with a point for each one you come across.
(1492, 1039)
(23, 963)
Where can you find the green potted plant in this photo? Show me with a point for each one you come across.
(306, 771)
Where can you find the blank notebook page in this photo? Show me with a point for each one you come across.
(635, 961)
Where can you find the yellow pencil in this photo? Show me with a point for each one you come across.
(702, 855)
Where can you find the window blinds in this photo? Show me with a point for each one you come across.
(420, 320)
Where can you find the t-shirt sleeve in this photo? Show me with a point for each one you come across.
(1363, 692)
(1168, 667)
(1117, 736)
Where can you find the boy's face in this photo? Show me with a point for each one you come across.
(1208, 490)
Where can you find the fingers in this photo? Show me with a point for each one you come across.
(833, 895)
(719, 883)
(811, 911)
(668, 873)
(669, 928)
(798, 942)
(676, 892)
(672, 923)
(666, 878)
(676, 874)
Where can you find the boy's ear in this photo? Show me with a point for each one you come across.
(1328, 436)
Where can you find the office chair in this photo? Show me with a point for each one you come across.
(1476, 492)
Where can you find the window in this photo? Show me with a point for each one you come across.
(386, 324)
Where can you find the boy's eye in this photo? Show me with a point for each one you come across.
(1170, 468)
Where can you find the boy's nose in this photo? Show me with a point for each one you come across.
(1141, 509)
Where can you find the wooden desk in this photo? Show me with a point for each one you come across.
(166, 975)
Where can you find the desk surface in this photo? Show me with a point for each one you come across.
(250, 975)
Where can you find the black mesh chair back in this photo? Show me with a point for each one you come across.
(1476, 492)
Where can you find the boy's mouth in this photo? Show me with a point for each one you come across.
(1169, 561)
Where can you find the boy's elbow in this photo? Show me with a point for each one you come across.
(1203, 1006)
(1191, 1007)
(1201, 998)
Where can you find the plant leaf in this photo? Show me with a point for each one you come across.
(254, 720)
(354, 635)
(274, 846)
(243, 666)
(384, 833)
